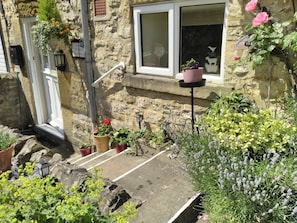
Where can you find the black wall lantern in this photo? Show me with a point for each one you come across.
(60, 58)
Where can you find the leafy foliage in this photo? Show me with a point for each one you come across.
(44, 31)
(120, 136)
(34, 199)
(273, 38)
(5, 140)
(49, 26)
(47, 10)
(244, 161)
(238, 125)
(190, 64)
(104, 128)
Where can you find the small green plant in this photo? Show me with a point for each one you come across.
(157, 138)
(5, 140)
(85, 145)
(190, 64)
(120, 136)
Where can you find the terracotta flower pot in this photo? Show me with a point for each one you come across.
(102, 143)
(120, 148)
(85, 150)
(5, 158)
(193, 75)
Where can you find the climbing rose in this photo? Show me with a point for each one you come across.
(251, 6)
(260, 18)
(236, 57)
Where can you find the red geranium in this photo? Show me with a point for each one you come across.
(106, 122)
(103, 129)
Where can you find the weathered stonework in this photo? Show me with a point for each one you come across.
(14, 110)
(120, 97)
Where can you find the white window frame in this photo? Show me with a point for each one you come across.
(173, 10)
(138, 11)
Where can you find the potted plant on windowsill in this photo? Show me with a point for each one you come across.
(191, 71)
(6, 150)
(85, 149)
(121, 138)
(101, 135)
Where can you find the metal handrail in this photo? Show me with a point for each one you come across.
(120, 66)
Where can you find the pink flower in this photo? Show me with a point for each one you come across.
(260, 18)
(236, 57)
(251, 5)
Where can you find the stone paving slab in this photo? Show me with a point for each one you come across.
(162, 185)
(121, 164)
(158, 181)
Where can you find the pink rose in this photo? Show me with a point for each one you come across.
(251, 6)
(236, 57)
(260, 18)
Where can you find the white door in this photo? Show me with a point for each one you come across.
(44, 80)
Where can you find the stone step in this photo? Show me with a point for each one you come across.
(93, 159)
(160, 182)
(162, 185)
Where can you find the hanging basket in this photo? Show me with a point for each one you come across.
(5, 158)
(102, 143)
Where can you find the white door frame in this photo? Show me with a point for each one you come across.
(33, 64)
(44, 80)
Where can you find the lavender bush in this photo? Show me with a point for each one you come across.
(245, 185)
(239, 188)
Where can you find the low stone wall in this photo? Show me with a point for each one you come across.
(14, 110)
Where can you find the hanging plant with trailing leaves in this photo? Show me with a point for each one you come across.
(49, 26)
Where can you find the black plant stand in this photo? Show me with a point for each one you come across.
(192, 86)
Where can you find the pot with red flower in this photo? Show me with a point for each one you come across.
(101, 135)
(191, 71)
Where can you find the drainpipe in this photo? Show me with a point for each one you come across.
(88, 59)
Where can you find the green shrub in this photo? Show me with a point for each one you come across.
(238, 125)
(34, 199)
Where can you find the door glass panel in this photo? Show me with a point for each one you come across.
(154, 37)
(201, 35)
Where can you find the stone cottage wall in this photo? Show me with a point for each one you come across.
(14, 110)
(123, 96)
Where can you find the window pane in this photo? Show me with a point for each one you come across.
(154, 37)
(201, 35)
